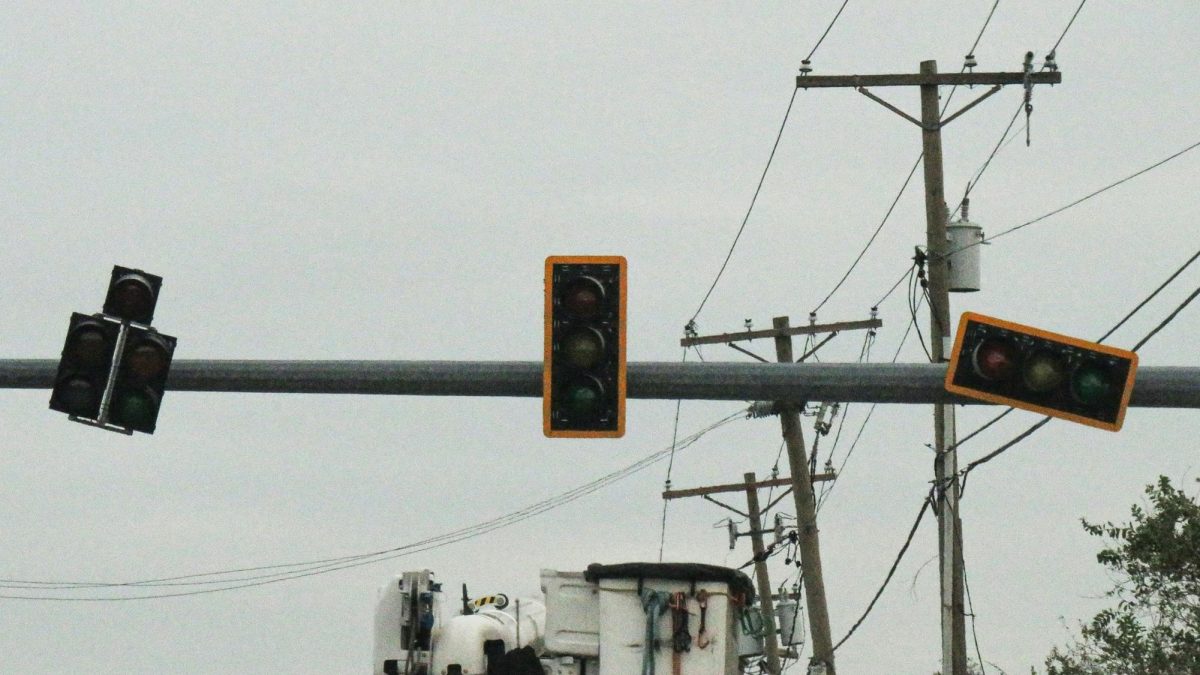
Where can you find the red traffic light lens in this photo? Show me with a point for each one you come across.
(88, 347)
(994, 360)
(1043, 373)
(584, 348)
(583, 297)
(146, 360)
(132, 297)
(78, 396)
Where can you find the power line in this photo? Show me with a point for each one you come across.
(749, 210)
(907, 179)
(899, 556)
(762, 178)
(1089, 196)
(670, 465)
(1038, 425)
(311, 568)
(827, 29)
(1069, 24)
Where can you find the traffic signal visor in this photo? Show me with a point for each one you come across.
(583, 377)
(1057, 375)
(132, 295)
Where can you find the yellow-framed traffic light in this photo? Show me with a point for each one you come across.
(1034, 369)
(583, 376)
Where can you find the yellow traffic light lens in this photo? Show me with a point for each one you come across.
(1043, 373)
(146, 361)
(584, 298)
(1090, 384)
(584, 348)
(994, 360)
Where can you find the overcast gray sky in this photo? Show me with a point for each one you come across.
(315, 181)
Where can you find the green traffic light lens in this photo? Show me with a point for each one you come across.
(78, 395)
(583, 349)
(134, 409)
(88, 347)
(583, 398)
(583, 297)
(1090, 384)
(1043, 373)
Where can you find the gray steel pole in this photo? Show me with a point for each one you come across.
(914, 383)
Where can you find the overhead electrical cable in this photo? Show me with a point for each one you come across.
(899, 556)
(1041, 423)
(766, 168)
(311, 568)
(907, 179)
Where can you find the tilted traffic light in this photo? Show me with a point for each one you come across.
(141, 379)
(114, 365)
(83, 371)
(1056, 375)
(132, 295)
(583, 378)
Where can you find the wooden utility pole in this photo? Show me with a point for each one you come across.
(754, 514)
(802, 491)
(954, 655)
(806, 517)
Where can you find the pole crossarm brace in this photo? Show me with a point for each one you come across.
(725, 338)
(917, 383)
(739, 487)
(916, 79)
(929, 127)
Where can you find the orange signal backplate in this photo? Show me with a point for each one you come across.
(548, 343)
(956, 353)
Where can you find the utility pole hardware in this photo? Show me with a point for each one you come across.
(954, 655)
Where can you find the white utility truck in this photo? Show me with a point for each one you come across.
(624, 619)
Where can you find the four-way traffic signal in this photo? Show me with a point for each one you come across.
(583, 377)
(1030, 368)
(114, 366)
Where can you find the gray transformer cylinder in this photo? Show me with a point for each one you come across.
(965, 241)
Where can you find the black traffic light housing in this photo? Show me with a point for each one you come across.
(132, 295)
(141, 379)
(583, 377)
(114, 366)
(84, 368)
(1057, 375)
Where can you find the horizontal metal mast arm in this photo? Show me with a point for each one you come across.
(816, 81)
(921, 383)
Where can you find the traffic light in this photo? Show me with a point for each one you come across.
(583, 378)
(83, 371)
(1056, 375)
(132, 295)
(141, 379)
(114, 365)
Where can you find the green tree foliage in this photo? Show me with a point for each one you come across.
(1154, 629)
